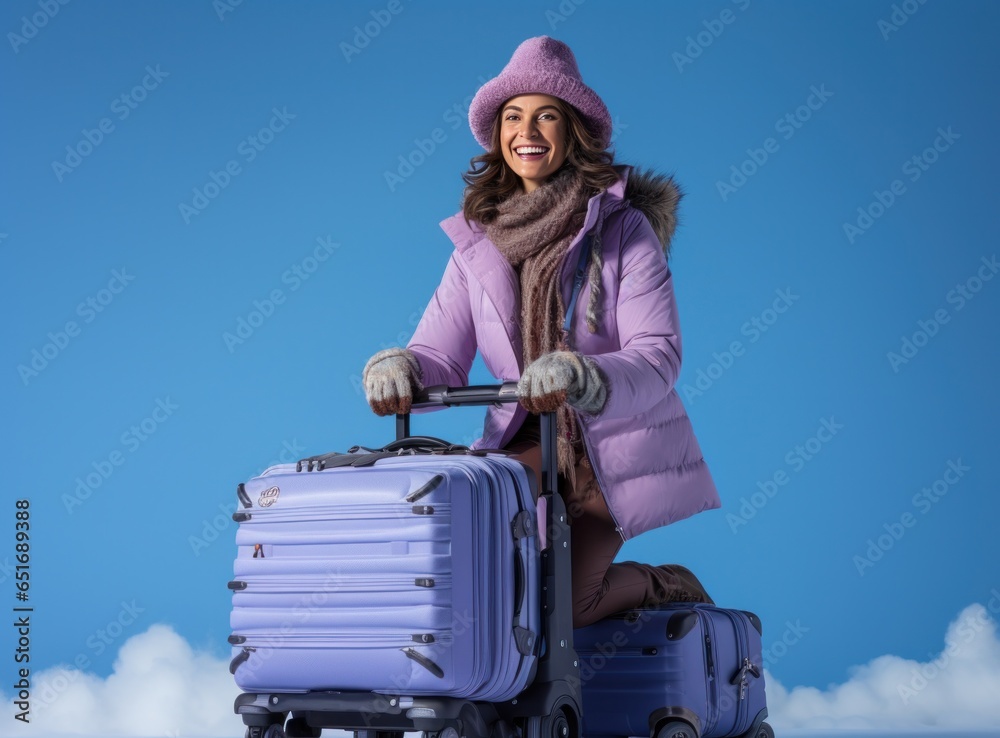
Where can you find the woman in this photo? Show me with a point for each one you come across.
(545, 194)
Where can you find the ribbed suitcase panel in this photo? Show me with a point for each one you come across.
(405, 567)
(503, 485)
(305, 617)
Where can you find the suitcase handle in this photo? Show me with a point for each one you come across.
(422, 442)
(486, 394)
(478, 394)
(520, 575)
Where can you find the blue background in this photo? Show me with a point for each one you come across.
(156, 531)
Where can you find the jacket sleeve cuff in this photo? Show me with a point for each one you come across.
(595, 387)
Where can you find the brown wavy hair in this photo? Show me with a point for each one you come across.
(490, 181)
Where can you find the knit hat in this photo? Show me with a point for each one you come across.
(540, 65)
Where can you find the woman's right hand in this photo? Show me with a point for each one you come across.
(389, 378)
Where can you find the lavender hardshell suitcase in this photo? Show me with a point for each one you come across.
(682, 670)
(417, 574)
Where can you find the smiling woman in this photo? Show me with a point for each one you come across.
(544, 201)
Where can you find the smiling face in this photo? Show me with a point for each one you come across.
(533, 138)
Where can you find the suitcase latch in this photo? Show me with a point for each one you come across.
(740, 678)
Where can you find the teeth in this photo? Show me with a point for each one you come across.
(531, 150)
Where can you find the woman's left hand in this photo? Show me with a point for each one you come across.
(562, 376)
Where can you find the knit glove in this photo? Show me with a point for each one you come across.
(389, 378)
(562, 376)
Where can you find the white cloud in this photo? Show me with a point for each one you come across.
(161, 687)
(958, 690)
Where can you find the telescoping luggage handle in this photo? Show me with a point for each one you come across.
(486, 394)
(560, 663)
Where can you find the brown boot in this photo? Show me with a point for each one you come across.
(673, 583)
(693, 586)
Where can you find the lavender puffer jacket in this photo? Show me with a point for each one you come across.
(641, 445)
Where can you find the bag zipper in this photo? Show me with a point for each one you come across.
(327, 640)
(714, 712)
(333, 513)
(745, 667)
(353, 583)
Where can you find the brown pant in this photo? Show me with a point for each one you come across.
(600, 587)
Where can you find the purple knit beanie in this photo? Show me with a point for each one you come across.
(540, 65)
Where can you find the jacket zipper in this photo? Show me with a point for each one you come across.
(583, 430)
(597, 475)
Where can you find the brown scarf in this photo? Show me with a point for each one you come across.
(533, 231)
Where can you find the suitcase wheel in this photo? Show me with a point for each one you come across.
(447, 732)
(677, 729)
(765, 731)
(297, 727)
(265, 731)
(557, 725)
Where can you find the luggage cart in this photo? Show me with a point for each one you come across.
(550, 707)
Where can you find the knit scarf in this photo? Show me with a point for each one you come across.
(533, 231)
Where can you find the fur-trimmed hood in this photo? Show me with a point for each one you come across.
(657, 196)
(654, 195)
